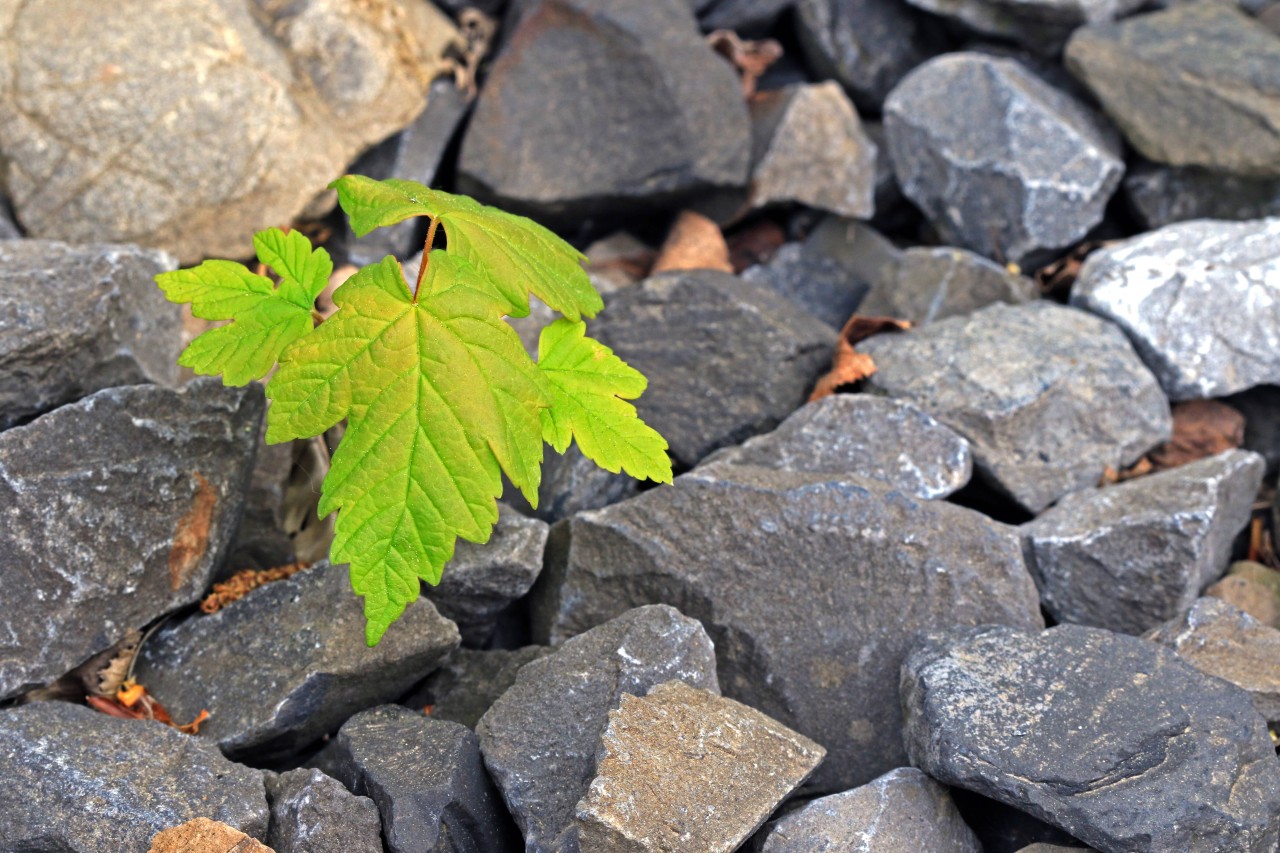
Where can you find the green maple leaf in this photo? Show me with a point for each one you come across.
(266, 318)
(513, 255)
(589, 388)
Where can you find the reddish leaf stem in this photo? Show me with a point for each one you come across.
(426, 256)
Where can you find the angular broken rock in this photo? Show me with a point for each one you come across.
(540, 738)
(76, 319)
(315, 813)
(747, 358)
(1114, 739)
(205, 836)
(1048, 397)
(114, 511)
(78, 780)
(1162, 195)
(929, 284)
(1130, 556)
(470, 681)
(226, 117)
(1000, 161)
(774, 563)
(685, 769)
(427, 779)
(286, 664)
(903, 811)
(1223, 641)
(1200, 300)
(862, 437)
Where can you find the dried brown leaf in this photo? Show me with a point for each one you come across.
(244, 582)
(1201, 428)
(694, 243)
(755, 244)
(203, 835)
(750, 58)
(1056, 278)
(848, 365)
(133, 702)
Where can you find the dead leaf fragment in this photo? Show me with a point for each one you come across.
(244, 582)
(133, 702)
(848, 365)
(750, 58)
(1201, 428)
(694, 243)
(1055, 279)
(755, 244)
(203, 835)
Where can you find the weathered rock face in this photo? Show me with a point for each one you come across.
(1194, 85)
(427, 779)
(113, 511)
(288, 663)
(1010, 380)
(930, 284)
(539, 739)
(1178, 293)
(470, 681)
(1221, 640)
(1130, 556)
(660, 116)
(862, 437)
(1041, 25)
(1112, 738)
(903, 811)
(315, 813)
(747, 358)
(189, 126)
(82, 782)
(76, 319)
(687, 769)
(1162, 195)
(774, 563)
(1000, 161)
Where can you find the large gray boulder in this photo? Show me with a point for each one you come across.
(999, 160)
(1047, 396)
(774, 563)
(114, 511)
(1200, 301)
(78, 781)
(1114, 739)
(77, 319)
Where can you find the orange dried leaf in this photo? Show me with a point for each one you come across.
(750, 58)
(244, 582)
(129, 693)
(1201, 428)
(848, 365)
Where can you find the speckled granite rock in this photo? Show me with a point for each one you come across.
(315, 813)
(114, 511)
(929, 284)
(1114, 739)
(1200, 300)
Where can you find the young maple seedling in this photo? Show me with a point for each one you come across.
(439, 394)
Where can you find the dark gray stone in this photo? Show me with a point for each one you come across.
(539, 739)
(1000, 161)
(481, 581)
(1130, 556)
(657, 116)
(1162, 195)
(866, 45)
(470, 681)
(114, 511)
(1194, 85)
(572, 483)
(77, 781)
(933, 283)
(774, 563)
(747, 17)
(862, 437)
(1261, 409)
(1200, 300)
(286, 664)
(427, 779)
(1040, 25)
(903, 811)
(747, 357)
(1114, 739)
(1047, 396)
(315, 813)
(76, 319)
(261, 541)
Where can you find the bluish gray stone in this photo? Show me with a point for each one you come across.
(470, 681)
(1162, 195)
(1040, 25)
(932, 283)
(315, 813)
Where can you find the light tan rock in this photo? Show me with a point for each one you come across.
(203, 835)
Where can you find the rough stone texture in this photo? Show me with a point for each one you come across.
(1162, 195)
(684, 769)
(773, 563)
(83, 782)
(76, 319)
(1112, 738)
(1048, 397)
(288, 663)
(1253, 588)
(865, 45)
(113, 511)
(903, 811)
(747, 357)
(481, 581)
(470, 681)
(1130, 556)
(190, 125)
(315, 813)
(656, 115)
(572, 483)
(1226, 642)
(539, 739)
(1194, 85)
(930, 284)
(862, 437)
(1000, 161)
(427, 779)
(205, 836)
(1200, 300)
(1041, 25)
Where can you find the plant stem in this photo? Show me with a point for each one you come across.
(426, 256)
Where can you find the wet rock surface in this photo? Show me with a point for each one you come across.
(315, 813)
